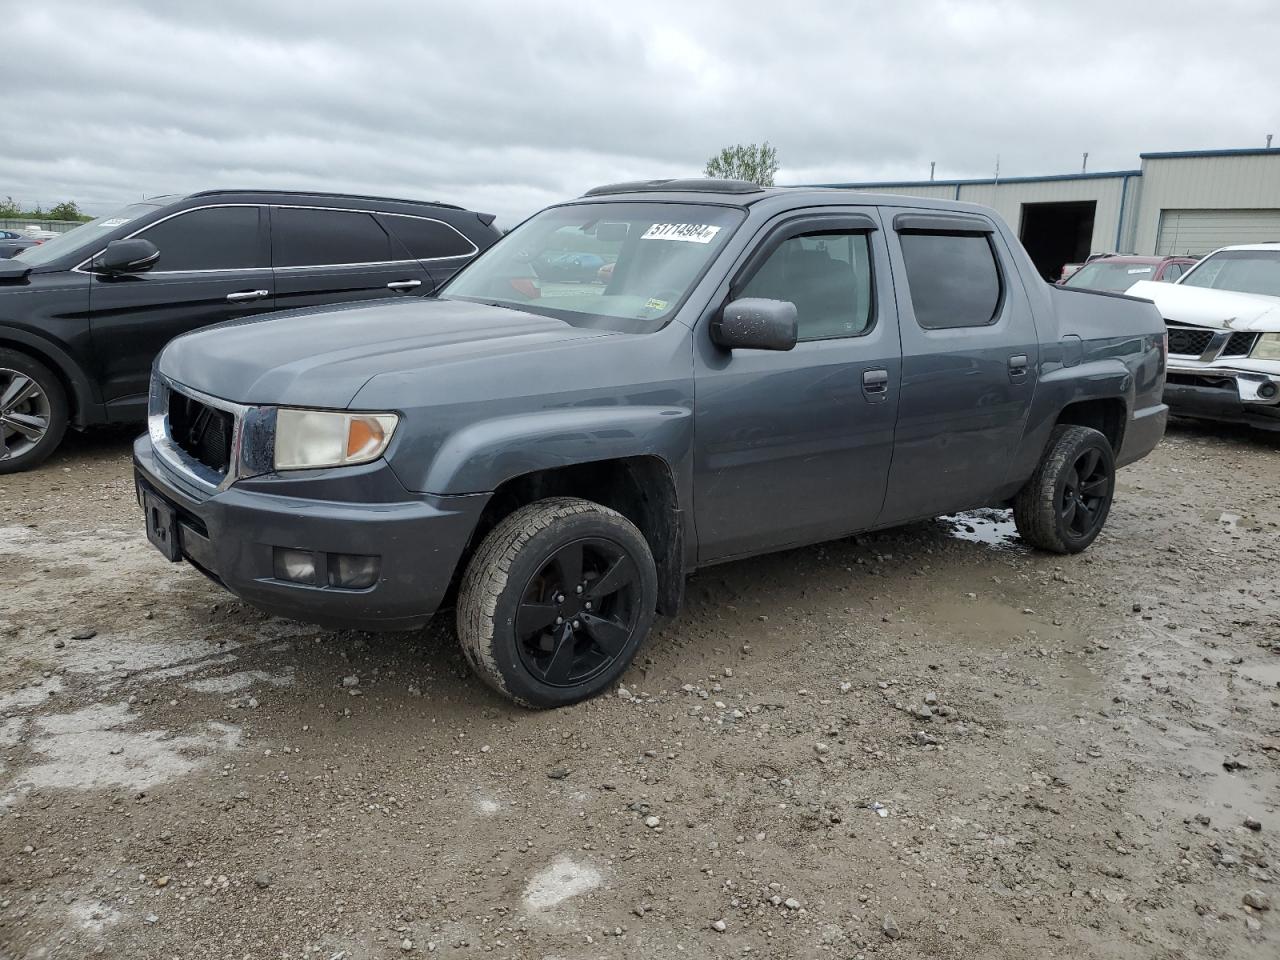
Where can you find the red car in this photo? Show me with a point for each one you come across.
(1118, 273)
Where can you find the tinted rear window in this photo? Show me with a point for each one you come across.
(953, 279)
(303, 238)
(427, 239)
(216, 238)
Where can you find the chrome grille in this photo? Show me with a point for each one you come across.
(202, 431)
(1205, 344)
(1239, 345)
(1189, 341)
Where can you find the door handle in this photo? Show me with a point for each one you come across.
(244, 295)
(403, 284)
(875, 385)
(1018, 366)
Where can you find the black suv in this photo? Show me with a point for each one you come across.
(83, 316)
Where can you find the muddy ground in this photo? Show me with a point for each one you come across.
(181, 776)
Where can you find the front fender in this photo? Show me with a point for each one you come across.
(85, 403)
(480, 457)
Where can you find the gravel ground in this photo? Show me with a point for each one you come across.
(924, 743)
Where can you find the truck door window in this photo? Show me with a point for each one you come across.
(214, 238)
(953, 279)
(1172, 271)
(827, 276)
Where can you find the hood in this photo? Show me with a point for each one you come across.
(13, 271)
(1206, 307)
(321, 358)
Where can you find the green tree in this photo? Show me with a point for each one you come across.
(9, 208)
(745, 161)
(67, 210)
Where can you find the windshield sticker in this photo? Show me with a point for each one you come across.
(655, 304)
(1140, 270)
(688, 232)
(114, 221)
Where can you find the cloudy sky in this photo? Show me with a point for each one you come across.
(506, 107)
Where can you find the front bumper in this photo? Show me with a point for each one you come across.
(231, 536)
(1234, 394)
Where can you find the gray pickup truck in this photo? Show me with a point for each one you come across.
(650, 379)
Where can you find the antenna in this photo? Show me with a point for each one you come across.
(1268, 146)
(997, 178)
(1084, 164)
(934, 163)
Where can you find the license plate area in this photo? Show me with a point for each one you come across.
(162, 525)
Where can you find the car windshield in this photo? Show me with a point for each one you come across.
(1244, 271)
(86, 235)
(1111, 275)
(618, 266)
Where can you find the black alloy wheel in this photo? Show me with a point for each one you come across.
(1086, 491)
(578, 612)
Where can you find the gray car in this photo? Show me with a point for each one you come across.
(757, 369)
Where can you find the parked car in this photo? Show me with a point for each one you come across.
(1120, 272)
(1224, 336)
(11, 241)
(83, 315)
(766, 368)
(579, 267)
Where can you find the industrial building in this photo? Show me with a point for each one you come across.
(1188, 202)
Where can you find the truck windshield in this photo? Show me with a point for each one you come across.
(1110, 275)
(86, 235)
(1244, 271)
(618, 266)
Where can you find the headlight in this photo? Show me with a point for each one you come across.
(317, 438)
(1267, 347)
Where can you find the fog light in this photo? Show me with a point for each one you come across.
(1267, 391)
(296, 565)
(352, 572)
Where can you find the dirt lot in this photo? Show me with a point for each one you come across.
(181, 776)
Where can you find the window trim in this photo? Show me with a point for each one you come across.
(265, 206)
(807, 224)
(988, 234)
(394, 239)
(178, 213)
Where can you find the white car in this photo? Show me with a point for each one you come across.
(1223, 317)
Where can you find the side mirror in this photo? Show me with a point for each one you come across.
(752, 323)
(127, 256)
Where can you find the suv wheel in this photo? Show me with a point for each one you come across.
(556, 601)
(1065, 503)
(33, 412)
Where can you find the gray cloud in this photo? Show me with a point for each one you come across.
(508, 107)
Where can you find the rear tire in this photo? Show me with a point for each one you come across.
(1064, 505)
(556, 601)
(33, 412)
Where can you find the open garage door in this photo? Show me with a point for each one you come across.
(1198, 232)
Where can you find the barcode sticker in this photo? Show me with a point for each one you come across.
(688, 232)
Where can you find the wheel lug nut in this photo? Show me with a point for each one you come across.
(559, 620)
(588, 605)
(576, 624)
(578, 588)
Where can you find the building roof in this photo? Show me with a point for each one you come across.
(988, 181)
(1186, 154)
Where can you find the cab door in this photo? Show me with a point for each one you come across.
(970, 361)
(329, 255)
(213, 266)
(794, 447)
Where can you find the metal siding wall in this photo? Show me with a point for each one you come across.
(1198, 232)
(939, 192)
(1205, 183)
(1008, 198)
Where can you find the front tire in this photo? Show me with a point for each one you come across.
(1064, 505)
(556, 601)
(33, 412)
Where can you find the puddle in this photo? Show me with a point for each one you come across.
(88, 750)
(558, 882)
(989, 526)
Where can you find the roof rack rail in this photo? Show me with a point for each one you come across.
(325, 193)
(688, 185)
